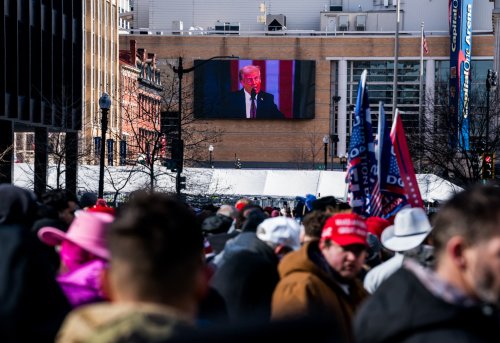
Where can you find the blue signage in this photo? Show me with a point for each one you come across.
(460, 19)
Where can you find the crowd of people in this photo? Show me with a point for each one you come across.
(75, 269)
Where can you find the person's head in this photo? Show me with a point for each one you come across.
(268, 210)
(157, 253)
(18, 206)
(330, 205)
(411, 228)
(215, 224)
(102, 206)
(324, 204)
(282, 234)
(250, 78)
(62, 201)
(374, 251)
(343, 244)
(466, 239)
(228, 211)
(85, 240)
(88, 199)
(376, 225)
(252, 216)
(241, 203)
(313, 223)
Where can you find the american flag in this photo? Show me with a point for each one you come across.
(425, 45)
(405, 163)
(361, 174)
(391, 186)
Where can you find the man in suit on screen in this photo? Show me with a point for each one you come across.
(250, 101)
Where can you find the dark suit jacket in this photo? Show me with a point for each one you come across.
(233, 106)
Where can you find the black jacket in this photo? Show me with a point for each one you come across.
(32, 306)
(403, 310)
(246, 277)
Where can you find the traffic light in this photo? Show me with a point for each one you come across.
(177, 154)
(488, 165)
(181, 180)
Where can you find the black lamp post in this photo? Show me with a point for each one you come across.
(343, 161)
(180, 71)
(333, 136)
(104, 104)
(325, 146)
(210, 151)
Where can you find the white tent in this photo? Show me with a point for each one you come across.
(237, 182)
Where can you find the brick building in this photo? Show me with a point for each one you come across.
(339, 61)
(141, 96)
(342, 38)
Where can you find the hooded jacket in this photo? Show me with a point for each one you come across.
(403, 310)
(247, 273)
(32, 306)
(307, 290)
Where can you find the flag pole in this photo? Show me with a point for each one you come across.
(396, 60)
(421, 98)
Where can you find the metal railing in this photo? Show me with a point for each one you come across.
(285, 32)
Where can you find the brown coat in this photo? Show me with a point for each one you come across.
(305, 289)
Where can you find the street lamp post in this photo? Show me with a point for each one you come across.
(343, 160)
(180, 71)
(334, 137)
(396, 61)
(325, 146)
(210, 151)
(104, 104)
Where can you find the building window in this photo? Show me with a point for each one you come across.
(380, 85)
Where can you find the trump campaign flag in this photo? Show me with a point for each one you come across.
(405, 163)
(393, 194)
(361, 173)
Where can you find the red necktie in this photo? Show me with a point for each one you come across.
(253, 109)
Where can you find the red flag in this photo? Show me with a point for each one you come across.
(405, 163)
(425, 46)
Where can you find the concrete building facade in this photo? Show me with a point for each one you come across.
(40, 83)
(101, 72)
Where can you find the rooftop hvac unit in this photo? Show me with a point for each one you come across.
(343, 23)
(142, 31)
(227, 27)
(177, 27)
(360, 22)
(276, 22)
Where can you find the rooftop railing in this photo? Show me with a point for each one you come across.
(287, 32)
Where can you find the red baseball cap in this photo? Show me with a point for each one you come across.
(102, 206)
(345, 229)
(240, 204)
(376, 225)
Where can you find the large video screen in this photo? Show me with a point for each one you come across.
(254, 89)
